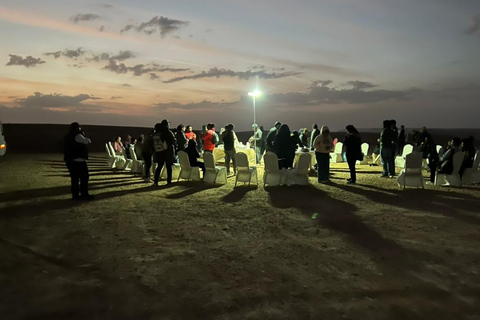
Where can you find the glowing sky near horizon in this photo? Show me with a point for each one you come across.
(333, 62)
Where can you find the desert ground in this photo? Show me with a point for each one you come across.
(200, 251)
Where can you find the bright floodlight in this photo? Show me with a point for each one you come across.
(255, 93)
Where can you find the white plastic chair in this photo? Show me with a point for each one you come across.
(186, 171)
(273, 176)
(411, 175)
(472, 175)
(111, 157)
(128, 162)
(336, 156)
(400, 160)
(245, 173)
(119, 161)
(454, 178)
(213, 174)
(137, 165)
(299, 174)
(364, 147)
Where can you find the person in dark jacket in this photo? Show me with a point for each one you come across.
(387, 144)
(353, 150)
(181, 138)
(284, 147)
(429, 151)
(228, 137)
(469, 149)
(147, 153)
(445, 163)
(313, 135)
(401, 140)
(271, 137)
(75, 157)
(164, 146)
(193, 155)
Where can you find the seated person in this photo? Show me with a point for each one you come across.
(117, 145)
(139, 147)
(469, 149)
(193, 155)
(445, 164)
(376, 155)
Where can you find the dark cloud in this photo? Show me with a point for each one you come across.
(140, 69)
(162, 25)
(56, 101)
(153, 76)
(126, 85)
(121, 56)
(101, 29)
(79, 66)
(474, 25)
(84, 17)
(107, 6)
(360, 84)
(69, 53)
(243, 75)
(28, 61)
(115, 98)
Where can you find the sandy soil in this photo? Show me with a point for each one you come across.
(197, 251)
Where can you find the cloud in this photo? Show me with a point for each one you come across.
(360, 84)
(474, 25)
(242, 75)
(115, 98)
(69, 53)
(58, 101)
(203, 105)
(28, 61)
(84, 17)
(121, 56)
(140, 69)
(107, 6)
(102, 28)
(126, 85)
(161, 24)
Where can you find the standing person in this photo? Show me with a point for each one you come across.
(271, 137)
(387, 140)
(181, 138)
(429, 151)
(164, 145)
(139, 147)
(75, 157)
(323, 145)
(229, 138)
(189, 134)
(256, 141)
(147, 153)
(284, 147)
(393, 125)
(210, 138)
(401, 141)
(314, 134)
(304, 136)
(264, 137)
(353, 150)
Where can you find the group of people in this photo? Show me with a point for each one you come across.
(162, 145)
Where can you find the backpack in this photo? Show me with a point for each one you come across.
(158, 144)
(215, 138)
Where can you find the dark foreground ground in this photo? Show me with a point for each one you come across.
(196, 251)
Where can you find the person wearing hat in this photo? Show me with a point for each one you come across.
(271, 137)
(257, 141)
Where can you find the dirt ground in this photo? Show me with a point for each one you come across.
(197, 251)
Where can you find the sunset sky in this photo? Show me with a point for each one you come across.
(333, 62)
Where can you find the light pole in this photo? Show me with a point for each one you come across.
(255, 94)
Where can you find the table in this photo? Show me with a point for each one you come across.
(219, 153)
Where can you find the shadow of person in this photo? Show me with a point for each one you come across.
(447, 203)
(237, 194)
(340, 216)
(190, 188)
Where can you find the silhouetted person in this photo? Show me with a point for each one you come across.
(314, 134)
(469, 149)
(429, 151)
(126, 145)
(193, 155)
(446, 161)
(229, 138)
(271, 137)
(139, 147)
(75, 157)
(353, 151)
(393, 125)
(284, 147)
(164, 146)
(323, 145)
(147, 153)
(304, 136)
(387, 143)
(181, 138)
(401, 141)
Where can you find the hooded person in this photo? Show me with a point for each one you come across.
(284, 147)
(323, 145)
(164, 146)
(353, 151)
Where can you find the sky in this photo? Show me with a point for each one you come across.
(331, 62)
